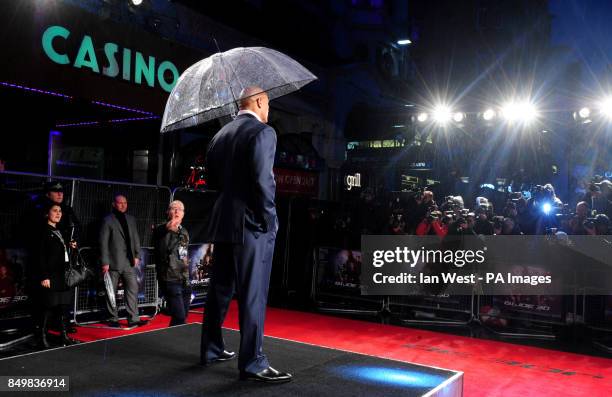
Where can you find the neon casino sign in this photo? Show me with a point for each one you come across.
(86, 58)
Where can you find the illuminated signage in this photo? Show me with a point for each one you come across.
(352, 181)
(116, 61)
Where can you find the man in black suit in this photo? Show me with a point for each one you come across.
(120, 253)
(243, 226)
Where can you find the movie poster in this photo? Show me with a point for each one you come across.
(200, 266)
(339, 269)
(12, 280)
(542, 305)
(146, 255)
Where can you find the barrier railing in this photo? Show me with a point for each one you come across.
(307, 226)
(596, 305)
(526, 316)
(90, 199)
(90, 296)
(336, 286)
(442, 309)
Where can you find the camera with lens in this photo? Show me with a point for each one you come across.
(396, 220)
(432, 216)
(538, 192)
(589, 223)
(550, 231)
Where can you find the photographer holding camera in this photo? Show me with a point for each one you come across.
(542, 207)
(432, 224)
(576, 223)
(599, 196)
(483, 225)
(598, 226)
(397, 226)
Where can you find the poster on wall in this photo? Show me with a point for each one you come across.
(200, 266)
(550, 306)
(339, 270)
(12, 282)
(146, 255)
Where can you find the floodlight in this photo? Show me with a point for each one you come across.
(422, 117)
(488, 114)
(458, 117)
(606, 107)
(442, 114)
(584, 113)
(519, 111)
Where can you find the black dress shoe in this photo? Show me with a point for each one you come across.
(224, 356)
(138, 323)
(268, 375)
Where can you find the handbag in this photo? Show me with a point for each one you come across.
(77, 271)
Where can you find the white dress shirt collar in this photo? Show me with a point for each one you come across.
(246, 111)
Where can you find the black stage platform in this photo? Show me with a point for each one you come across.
(165, 363)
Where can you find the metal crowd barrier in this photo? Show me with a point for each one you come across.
(526, 316)
(90, 199)
(17, 189)
(442, 309)
(336, 289)
(596, 307)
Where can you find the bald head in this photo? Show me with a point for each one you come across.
(256, 100)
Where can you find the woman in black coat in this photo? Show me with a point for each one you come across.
(55, 295)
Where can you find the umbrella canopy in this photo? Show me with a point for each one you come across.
(209, 89)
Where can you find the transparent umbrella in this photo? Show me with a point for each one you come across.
(209, 89)
(110, 291)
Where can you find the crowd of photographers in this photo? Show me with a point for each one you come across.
(536, 212)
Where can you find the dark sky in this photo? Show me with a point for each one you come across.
(586, 27)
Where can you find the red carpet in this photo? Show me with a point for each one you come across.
(491, 368)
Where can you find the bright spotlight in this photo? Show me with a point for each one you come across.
(404, 42)
(519, 111)
(546, 208)
(442, 114)
(488, 114)
(584, 113)
(458, 117)
(422, 117)
(136, 2)
(606, 107)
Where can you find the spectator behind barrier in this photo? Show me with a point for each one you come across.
(53, 295)
(171, 242)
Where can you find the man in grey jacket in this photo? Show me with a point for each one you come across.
(120, 253)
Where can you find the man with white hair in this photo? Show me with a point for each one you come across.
(171, 241)
(243, 226)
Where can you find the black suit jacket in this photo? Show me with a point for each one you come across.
(240, 162)
(51, 260)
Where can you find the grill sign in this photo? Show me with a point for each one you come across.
(352, 181)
